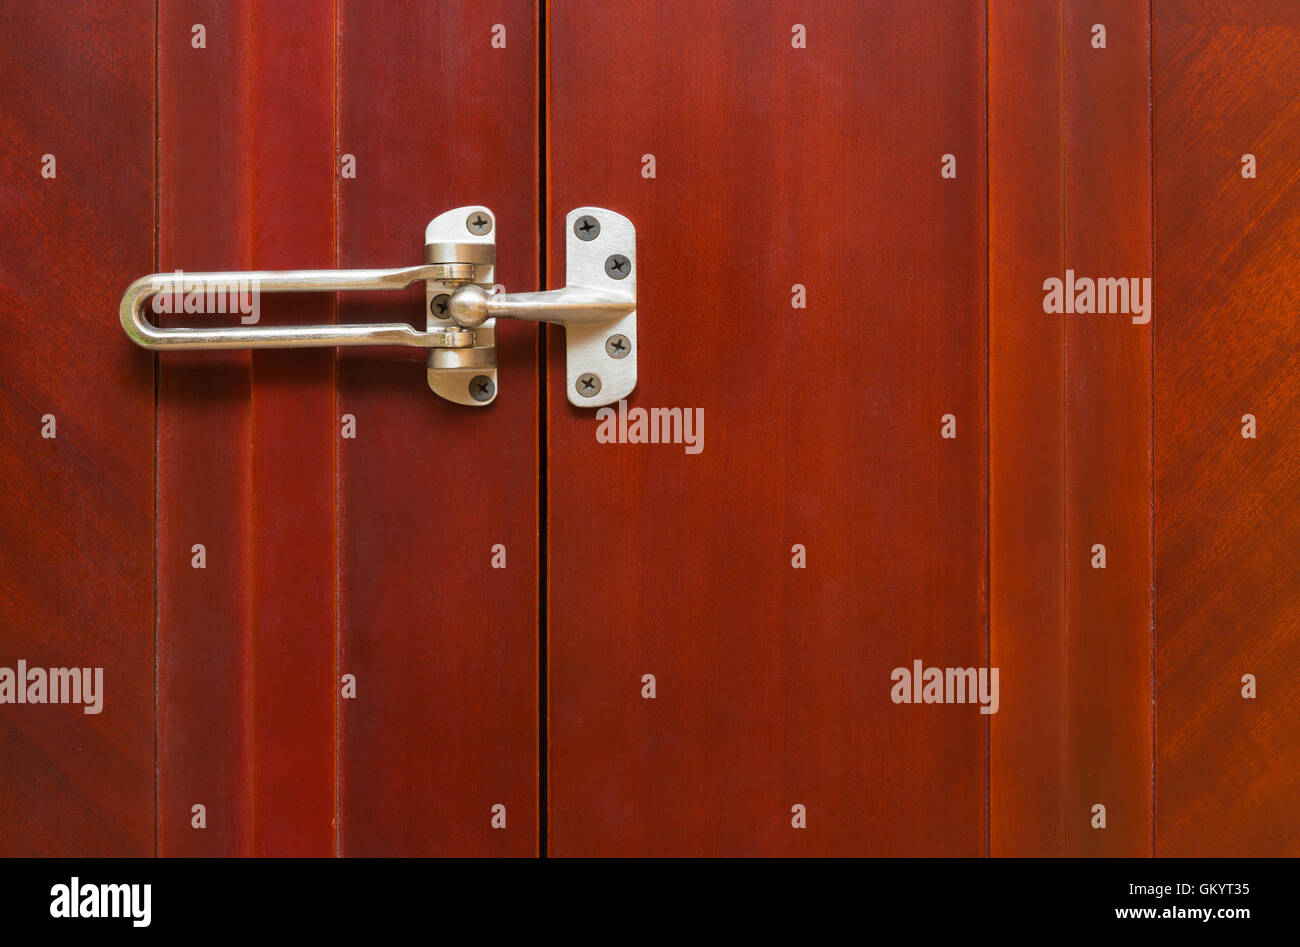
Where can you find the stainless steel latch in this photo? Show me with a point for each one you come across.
(597, 307)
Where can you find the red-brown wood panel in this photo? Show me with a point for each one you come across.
(1107, 135)
(76, 412)
(1070, 423)
(1228, 525)
(331, 556)
(203, 470)
(1027, 763)
(293, 431)
(443, 646)
(245, 454)
(774, 166)
(821, 532)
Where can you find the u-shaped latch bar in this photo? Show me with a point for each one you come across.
(597, 307)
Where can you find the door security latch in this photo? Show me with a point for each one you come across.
(597, 307)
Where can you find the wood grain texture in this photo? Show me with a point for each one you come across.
(251, 461)
(443, 646)
(204, 465)
(1070, 423)
(1228, 576)
(1027, 765)
(775, 166)
(246, 688)
(76, 518)
(294, 433)
(1107, 136)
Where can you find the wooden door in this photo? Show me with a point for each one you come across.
(858, 441)
(328, 555)
(853, 210)
(816, 290)
(287, 556)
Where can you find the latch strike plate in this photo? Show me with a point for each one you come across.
(603, 352)
(597, 307)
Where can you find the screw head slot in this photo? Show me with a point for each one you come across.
(482, 388)
(618, 346)
(479, 223)
(617, 266)
(588, 385)
(438, 306)
(586, 227)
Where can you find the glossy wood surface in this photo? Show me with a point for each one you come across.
(1107, 233)
(444, 647)
(332, 556)
(774, 166)
(1070, 399)
(371, 556)
(245, 443)
(1228, 523)
(1026, 367)
(76, 516)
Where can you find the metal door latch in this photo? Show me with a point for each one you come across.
(597, 307)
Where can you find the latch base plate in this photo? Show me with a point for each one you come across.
(466, 376)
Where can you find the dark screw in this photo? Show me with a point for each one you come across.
(438, 305)
(479, 223)
(618, 266)
(617, 346)
(588, 385)
(481, 388)
(586, 227)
